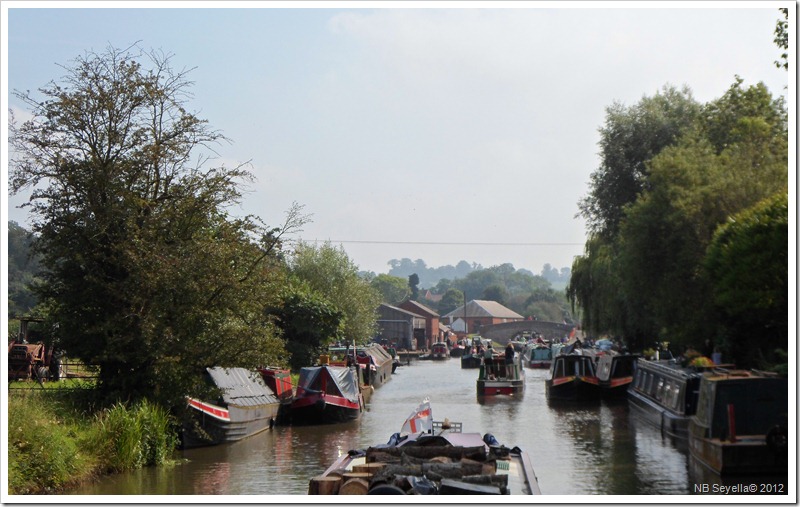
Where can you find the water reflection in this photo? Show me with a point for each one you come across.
(599, 449)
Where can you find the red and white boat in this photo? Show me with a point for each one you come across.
(326, 394)
(247, 406)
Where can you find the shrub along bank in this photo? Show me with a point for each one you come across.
(54, 445)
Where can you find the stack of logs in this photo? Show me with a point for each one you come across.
(453, 469)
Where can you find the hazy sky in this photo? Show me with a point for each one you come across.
(422, 132)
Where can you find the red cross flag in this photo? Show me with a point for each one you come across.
(421, 420)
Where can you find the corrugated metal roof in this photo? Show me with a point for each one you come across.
(241, 386)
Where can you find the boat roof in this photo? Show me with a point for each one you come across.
(241, 386)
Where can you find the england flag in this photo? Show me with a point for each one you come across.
(420, 421)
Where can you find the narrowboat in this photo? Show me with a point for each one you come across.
(447, 462)
(473, 357)
(375, 363)
(740, 426)
(326, 394)
(572, 377)
(538, 355)
(439, 351)
(279, 380)
(615, 373)
(495, 377)
(459, 348)
(246, 406)
(665, 394)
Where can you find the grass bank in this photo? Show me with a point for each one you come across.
(54, 445)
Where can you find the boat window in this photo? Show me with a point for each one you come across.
(667, 393)
(660, 390)
(559, 369)
(677, 396)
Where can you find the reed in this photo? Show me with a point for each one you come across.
(55, 445)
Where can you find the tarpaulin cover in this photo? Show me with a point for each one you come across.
(340, 381)
(241, 387)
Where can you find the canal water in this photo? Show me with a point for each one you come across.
(594, 449)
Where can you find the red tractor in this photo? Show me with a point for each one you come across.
(31, 360)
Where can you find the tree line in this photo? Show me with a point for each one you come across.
(429, 276)
(688, 224)
(144, 269)
(518, 289)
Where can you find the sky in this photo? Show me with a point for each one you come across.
(435, 131)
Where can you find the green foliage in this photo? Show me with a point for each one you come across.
(631, 137)
(393, 289)
(782, 39)
(309, 323)
(146, 270)
(328, 271)
(413, 285)
(747, 262)
(23, 268)
(451, 300)
(495, 292)
(134, 437)
(44, 454)
(642, 276)
(54, 445)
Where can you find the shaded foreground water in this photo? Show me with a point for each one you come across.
(596, 449)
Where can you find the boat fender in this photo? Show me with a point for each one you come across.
(489, 440)
(356, 452)
(386, 489)
(776, 439)
(320, 404)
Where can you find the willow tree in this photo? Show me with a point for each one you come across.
(146, 273)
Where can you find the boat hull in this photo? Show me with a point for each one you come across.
(500, 387)
(572, 389)
(316, 409)
(214, 425)
(669, 423)
(470, 361)
(749, 455)
(501, 379)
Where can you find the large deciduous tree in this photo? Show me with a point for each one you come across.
(147, 274)
(748, 267)
(328, 271)
(642, 273)
(393, 289)
(630, 137)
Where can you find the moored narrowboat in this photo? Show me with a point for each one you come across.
(326, 394)
(740, 426)
(246, 407)
(572, 377)
(665, 394)
(538, 355)
(615, 373)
